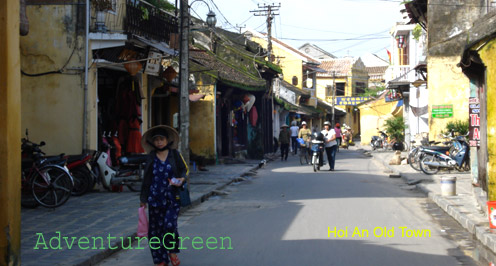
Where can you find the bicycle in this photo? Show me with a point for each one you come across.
(43, 183)
(304, 154)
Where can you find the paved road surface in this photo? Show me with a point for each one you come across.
(285, 215)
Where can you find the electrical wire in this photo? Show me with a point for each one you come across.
(220, 12)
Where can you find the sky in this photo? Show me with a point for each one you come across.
(333, 25)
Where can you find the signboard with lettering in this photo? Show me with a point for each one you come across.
(350, 100)
(287, 94)
(153, 63)
(474, 123)
(442, 111)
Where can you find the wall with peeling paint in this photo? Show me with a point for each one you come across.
(52, 104)
(446, 85)
(487, 54)
(373, 115)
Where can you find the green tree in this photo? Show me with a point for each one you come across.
(395, 128)
(458, 126)
(371, 91)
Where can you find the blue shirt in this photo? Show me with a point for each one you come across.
(160, 190)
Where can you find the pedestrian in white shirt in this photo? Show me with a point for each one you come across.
(294, 135)
(331, 144)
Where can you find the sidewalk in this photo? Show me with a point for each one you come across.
(466, 206)
(103, 214)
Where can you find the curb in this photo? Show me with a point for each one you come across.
(94, 259)
(480, 232)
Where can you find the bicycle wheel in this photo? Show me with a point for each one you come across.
(82, 181)
(303, 156)
(429, 169)
(52, 186)
(413, 159)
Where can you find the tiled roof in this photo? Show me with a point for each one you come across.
(309, 59)
(377, 70)
(225, 72)
(341, 66)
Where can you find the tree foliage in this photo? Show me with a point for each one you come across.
(458, 126)
(372, 91)
(395, 128)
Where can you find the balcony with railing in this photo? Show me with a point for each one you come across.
(402, 73)
(136, 17)
(148, 21)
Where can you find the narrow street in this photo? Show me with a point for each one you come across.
(286, 215)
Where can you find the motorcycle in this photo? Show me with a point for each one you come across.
(458, 157)
(378, 142)
(128, 172)
(317, 148)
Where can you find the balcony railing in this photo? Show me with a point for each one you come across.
(401, 72)
(148, 21)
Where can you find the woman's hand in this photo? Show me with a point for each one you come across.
(142, 204)
(177, 184)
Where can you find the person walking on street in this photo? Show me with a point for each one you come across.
(337, 129)
(294, 134)
(165, 173)
(305, 134)
(330, 144)
(284, 138)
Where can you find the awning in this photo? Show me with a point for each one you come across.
(327, 106)
(161, 46)
(315, 68)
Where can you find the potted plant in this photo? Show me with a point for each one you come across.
(395, 128)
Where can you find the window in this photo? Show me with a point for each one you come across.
(359, 88)
(340, 88)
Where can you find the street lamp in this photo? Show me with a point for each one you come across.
(211, 19)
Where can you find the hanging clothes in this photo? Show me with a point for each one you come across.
(134, 138)
(118, 147)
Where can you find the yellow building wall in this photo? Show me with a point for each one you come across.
(290, 64)
(373, 116)
(10, 129)
(52, 105)
(487, 54)
(446, 85)
(202, 123)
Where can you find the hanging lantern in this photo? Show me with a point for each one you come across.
(169, 74)
(401, 41)
(133, 68)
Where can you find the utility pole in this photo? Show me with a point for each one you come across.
(333, 95)
(184, 82)
(240, 27)
(266, 10)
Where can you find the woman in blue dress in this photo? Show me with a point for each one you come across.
(164, 175)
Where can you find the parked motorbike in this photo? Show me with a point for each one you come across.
(317, 147)
(129, 172)
(378, 142)
(45, 180)
(458, 157)
(80, 169)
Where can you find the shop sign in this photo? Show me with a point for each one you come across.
(350, 100)
(474, 122)
(287, 95)
(442, 111)
(153, 63)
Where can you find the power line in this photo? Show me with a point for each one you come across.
(267, 10)
(335, 40)
(220, 12)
